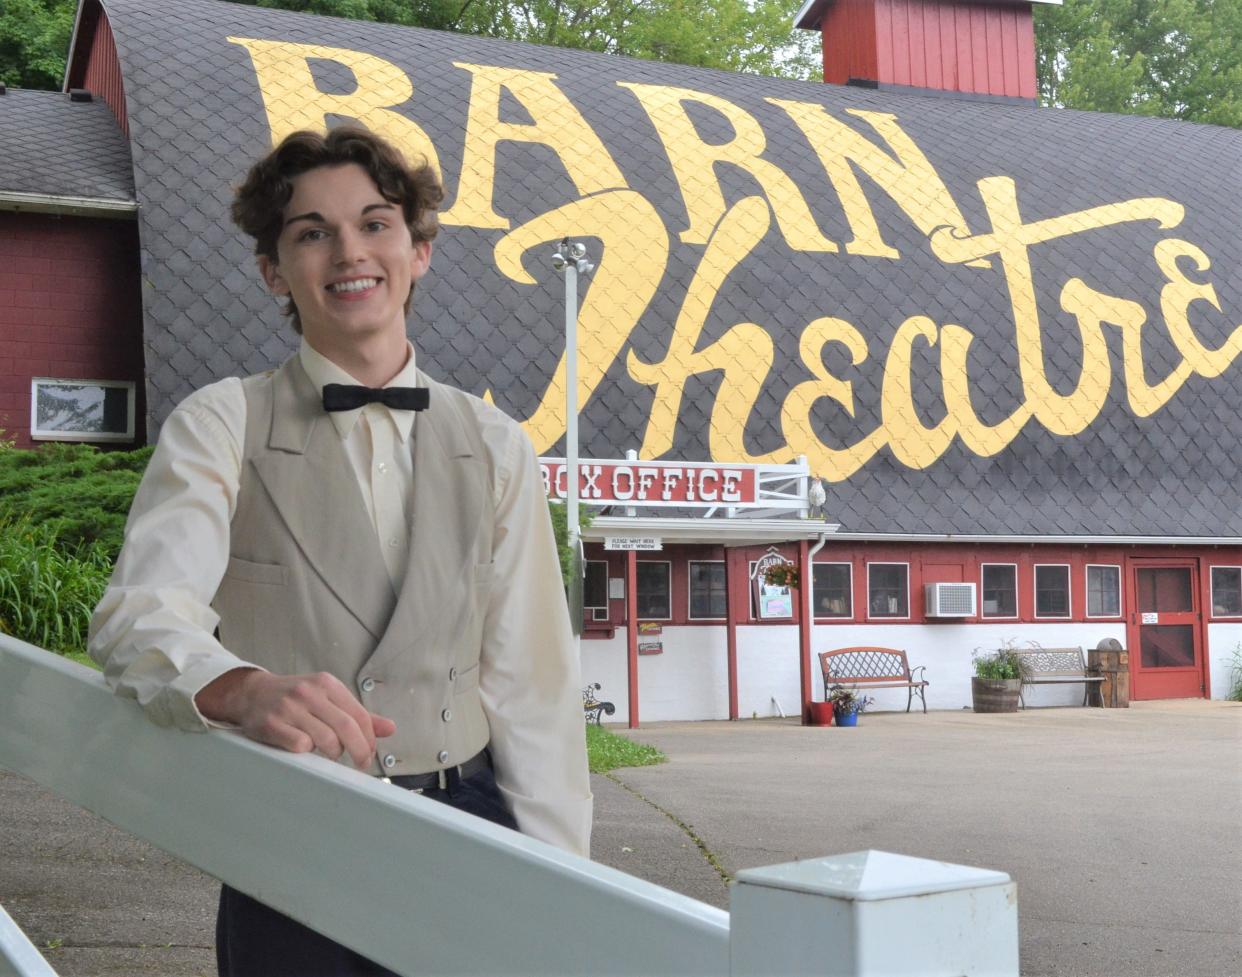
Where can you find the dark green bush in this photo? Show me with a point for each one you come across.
(81, 493)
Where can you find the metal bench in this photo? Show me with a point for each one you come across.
(876, 668)
(1055, 666)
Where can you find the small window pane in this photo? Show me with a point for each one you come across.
(888, 594)
(1052, 591)
(1103, 591)
(707, 590)
(832, 594)
(1000, 590)
(1166, 590)
(595, 585)
(1227, 591)
(654, 592)
(87, 410)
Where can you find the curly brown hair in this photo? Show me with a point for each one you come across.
(259, 203)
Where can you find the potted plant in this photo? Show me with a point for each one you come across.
(781, 575)
(847, 704)
(997, 683)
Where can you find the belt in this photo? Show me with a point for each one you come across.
(446, 779)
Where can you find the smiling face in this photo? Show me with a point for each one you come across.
(346, 258)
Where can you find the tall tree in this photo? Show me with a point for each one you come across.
(1178, 59)
(34, 40)
(736, 35)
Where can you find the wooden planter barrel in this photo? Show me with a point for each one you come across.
(995, 694)
(1114, 665)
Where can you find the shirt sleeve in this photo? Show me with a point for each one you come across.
(153, 631)
(529, 676)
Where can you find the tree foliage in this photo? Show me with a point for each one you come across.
(34, 40)
(1178, 59)
(736, 35)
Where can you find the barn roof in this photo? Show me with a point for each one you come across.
(55, 147)
(971, 318)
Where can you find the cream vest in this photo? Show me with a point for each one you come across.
(306, 589)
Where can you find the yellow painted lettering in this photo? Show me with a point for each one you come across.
(983, 439)
(834, 464)
(293, 101)
(905, 174)
(635, 249)
(1175, 300)
(556, 123)
(912, 442)
(694, 163)
(744, 354)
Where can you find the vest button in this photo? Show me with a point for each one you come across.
(442, 756)
(452, 674)
(390, 761)
(447, 715)
(368, 685)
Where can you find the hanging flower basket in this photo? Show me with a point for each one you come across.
(781, 575)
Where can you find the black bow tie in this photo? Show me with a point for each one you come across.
(341, 396)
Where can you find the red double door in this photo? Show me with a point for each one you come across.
(1165, 629)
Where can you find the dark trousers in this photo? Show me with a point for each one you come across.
(255, 941)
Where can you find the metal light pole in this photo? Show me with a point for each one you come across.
(570, 258)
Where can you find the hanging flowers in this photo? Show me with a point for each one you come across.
(781, 575)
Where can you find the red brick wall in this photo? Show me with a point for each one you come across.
(70, 307)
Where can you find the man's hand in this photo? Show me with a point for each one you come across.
(298, 713)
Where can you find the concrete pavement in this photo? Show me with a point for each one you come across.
(1123, 829)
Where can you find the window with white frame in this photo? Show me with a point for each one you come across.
(888, 589)
(81, 410)
(999, 586)
(708, 597)
(1052, 590)
(595, 590)
(1103, 591)
(654, 600)
(833, 594)
(1226, 591)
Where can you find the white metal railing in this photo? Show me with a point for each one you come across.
(18, 956)
(307, 836)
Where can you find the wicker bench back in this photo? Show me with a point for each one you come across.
(865, 664)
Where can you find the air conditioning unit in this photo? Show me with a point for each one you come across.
(949, 599)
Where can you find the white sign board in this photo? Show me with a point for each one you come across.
(1150, 618)
(633, 543)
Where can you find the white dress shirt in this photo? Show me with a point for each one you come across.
(153, 630)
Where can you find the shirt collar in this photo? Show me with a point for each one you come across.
(323, 371)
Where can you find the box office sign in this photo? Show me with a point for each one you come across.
(650, 638)
(653, 483)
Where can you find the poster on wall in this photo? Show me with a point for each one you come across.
(772, 601)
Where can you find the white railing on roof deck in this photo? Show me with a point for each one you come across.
(307, 836)
(18, 956)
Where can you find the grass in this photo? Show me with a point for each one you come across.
(1235, 676)
(47, 590)
(607, 751)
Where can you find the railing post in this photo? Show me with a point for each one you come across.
(870, 913)
(18, 956)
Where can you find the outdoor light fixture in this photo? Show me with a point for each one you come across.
(570, 259)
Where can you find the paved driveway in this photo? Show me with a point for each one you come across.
(1122, 828)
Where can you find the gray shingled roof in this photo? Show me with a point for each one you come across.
(1137, 463)
(59, 148)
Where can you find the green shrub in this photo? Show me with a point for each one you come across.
(1235, 676)
(1002, 664)
(80, 492)
(607, 751)
(48, 590)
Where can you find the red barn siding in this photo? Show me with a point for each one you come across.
(101, 72)
(69, 308)
(936, 44)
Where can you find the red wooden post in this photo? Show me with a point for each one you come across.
(806, 579)
(631, 630)
(733, 611)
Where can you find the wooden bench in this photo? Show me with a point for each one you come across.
(1055, 666)
(876, 668)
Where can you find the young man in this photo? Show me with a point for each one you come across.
(371, 548)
